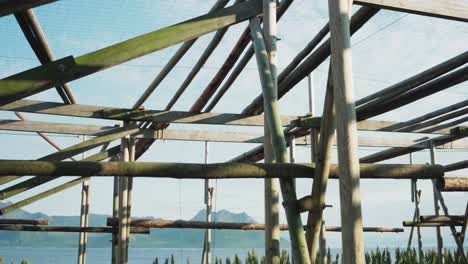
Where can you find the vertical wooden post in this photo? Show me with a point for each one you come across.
(461, 235)
(314, 148)
(348, 162)
(123, 206)
(131, 158)
(272, 231)
(416, 198)
(299, 249)
(209, 206)
(292, 149)
(439, 200)
(323, 244)
(84, 218)
(440, 243)
(322, 159)
(418, 229)
(115, 215)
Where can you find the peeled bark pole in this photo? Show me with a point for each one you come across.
(144, 223)
(23, 222)
(322, 171)
(71, 229)
(272, 230)
(348, 158)
(300, 254)
(453, 184)
(209, 171)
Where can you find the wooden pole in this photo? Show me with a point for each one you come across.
(300, 254)
(131, 158)
(440, 243)
(462, 233)
(197, 67)
(350, 200)
(184, 48)
(69, 152)
(227, 170)
(145, 223)
(418, 229)
(272, 232)
(115, 215)
(414, 81)
(439, 199)
(123, 207)
(322, 172)
(71, 229)
(209, 206)
(84, 218)
(323, 244)
(23, 222)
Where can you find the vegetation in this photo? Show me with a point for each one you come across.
(376, 256)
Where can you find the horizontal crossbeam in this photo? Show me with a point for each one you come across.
(200, 135)
(208, 171)
(233, 226)
(448, 9)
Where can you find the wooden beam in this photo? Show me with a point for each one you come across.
(70, 229)
(44, 77)
(414, 81)
(446, 81)
(8, 7)
(271, 186)
(230, 61)
(323, 159)
(417, 120)
(300, 253)
(453, 184)
(430, 224)
(125, 114)
(346, 130)
(456, 166)
(36, 38)
(396, 152)
(23, 222)
(441, 218)
(184, 48)
(198, 66)
(311, 62)
(208, 171)
(36, 181)
(229, 226)
(448, 9)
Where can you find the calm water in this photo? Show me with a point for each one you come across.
(136, 255)
(102, 255)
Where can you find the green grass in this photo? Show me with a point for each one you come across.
(376, 256)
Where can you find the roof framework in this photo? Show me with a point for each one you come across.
(143, 127)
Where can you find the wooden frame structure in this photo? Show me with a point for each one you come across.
(141, 127)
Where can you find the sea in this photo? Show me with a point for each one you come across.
(102, 255)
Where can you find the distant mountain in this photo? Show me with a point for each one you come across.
(159, 238)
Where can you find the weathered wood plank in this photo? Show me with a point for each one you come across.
(448, 9)
(126, 114)
(203, 135)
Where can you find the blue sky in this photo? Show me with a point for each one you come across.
(391, 47)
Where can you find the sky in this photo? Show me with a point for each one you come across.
(392, 46)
